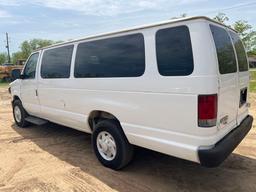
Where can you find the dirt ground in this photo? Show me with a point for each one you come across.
(55, 158)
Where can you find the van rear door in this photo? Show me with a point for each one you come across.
(228, 94)
(243, 76)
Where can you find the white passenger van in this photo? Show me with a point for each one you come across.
(178, 87)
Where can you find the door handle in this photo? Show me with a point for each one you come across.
(36, 93)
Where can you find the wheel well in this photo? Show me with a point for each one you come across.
(15, 97)
(96, 116)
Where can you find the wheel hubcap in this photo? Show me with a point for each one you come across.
(106, 145)
(17, 113)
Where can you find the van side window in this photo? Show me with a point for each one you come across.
(30, 68)
(56, 62)
(241, 54)
(225, 51)
(174, 51)
(113, 57)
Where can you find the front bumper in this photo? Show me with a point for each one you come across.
(216, 155)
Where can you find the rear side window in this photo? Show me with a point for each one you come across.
(56, 62)
(240, 52)
(174, 51)
(225, 51)
(113, 57)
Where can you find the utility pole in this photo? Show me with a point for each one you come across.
(7, 47)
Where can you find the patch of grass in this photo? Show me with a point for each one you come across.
(4, 84)
(253, 86)
(253, 81)
(253, 75)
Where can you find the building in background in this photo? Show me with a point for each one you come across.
(252, 62)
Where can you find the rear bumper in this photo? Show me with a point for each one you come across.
(216, 155)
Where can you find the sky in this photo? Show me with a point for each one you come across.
(72, 19)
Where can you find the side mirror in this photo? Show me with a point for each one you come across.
(15, 74)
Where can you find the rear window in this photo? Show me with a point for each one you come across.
(113, 57)
(174, 51)
(241, 54)
(225, 51)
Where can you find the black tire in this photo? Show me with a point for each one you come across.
(124, 150)
(22, 123)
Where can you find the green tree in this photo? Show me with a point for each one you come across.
(221, 18)
(252, 52)
(39, 43)
(3, 58)
(27, 47)
(244, 29)
(17, 56)
(247, 34)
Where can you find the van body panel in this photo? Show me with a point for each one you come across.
(243, 110)
(243, 76)
(228, 101)
(230, 114)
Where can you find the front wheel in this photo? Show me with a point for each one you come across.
(19, 114)
(111, 145)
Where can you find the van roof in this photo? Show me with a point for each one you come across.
(137, 28)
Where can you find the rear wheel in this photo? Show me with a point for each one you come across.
(111, 145)
(19, 114)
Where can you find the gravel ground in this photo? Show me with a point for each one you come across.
(55, 158)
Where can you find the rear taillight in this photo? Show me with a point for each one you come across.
(207, 110)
